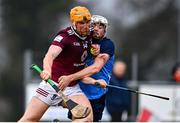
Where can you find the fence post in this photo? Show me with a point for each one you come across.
(27, 76)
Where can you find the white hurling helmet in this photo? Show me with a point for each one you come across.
(99, 19)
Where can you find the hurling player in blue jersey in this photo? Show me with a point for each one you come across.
(100, 67)
(97, 95)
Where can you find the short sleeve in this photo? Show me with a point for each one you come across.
(107, 46)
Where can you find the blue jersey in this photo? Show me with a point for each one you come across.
(91, 91)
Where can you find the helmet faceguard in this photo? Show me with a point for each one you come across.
(99, 19)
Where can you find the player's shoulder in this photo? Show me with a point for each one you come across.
(107, 41)
(66, 32)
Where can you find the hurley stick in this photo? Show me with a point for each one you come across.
(134, 91)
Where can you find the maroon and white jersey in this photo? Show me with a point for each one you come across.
(72, 58)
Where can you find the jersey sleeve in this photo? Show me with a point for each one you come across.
(107, 47)
(60, 40)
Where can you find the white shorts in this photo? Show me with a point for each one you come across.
(48, 95)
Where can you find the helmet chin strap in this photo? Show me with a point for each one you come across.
(104, 35)
(105, 31)
(75, 29)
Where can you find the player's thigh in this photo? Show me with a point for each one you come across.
(34, 111)
(82, 100)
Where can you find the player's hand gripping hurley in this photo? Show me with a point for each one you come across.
(78, 111)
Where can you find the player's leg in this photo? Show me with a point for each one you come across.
(44, 97)
(98, 108)
(76, 94)
(82, 99)
(35, 110)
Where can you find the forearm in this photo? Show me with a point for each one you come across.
(88, 80)
(99, 82)
(86, 72)
(47, 63)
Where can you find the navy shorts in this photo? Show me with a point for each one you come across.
(97, 106)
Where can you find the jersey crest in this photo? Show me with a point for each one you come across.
(58, 38)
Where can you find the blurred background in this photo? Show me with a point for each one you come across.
(146, 34)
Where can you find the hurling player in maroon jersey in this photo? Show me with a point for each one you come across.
(65, 56)
(100, 67)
